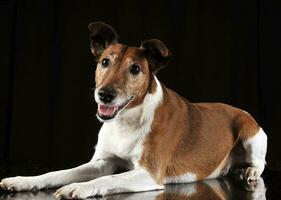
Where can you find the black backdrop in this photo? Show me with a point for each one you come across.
(227, 51)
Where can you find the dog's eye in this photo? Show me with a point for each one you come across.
(105, 62)
(135, 69)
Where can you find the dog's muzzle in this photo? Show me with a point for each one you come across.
(107, 112)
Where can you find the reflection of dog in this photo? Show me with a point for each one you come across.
(208, 189)
(155, 133)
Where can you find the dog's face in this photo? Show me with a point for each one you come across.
(123, 74)
(122, 79)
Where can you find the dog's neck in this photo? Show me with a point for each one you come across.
(143, 114)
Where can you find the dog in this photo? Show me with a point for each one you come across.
(158, 136)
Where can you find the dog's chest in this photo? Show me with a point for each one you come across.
(123, 142)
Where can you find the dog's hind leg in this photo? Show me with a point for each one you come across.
(255, 151)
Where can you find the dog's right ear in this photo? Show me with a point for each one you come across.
(101, 36)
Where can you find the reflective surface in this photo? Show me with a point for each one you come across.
(210, 189)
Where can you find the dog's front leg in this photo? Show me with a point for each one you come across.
(86, 172)
(137, 180)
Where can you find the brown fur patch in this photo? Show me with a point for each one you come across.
(246, 126)
(194, 138)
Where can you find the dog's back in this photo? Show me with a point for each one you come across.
(195, 141)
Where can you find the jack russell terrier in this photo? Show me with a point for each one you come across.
(157, 135)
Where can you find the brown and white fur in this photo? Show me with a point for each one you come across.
(159, 136)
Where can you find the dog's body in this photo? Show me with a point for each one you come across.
(153, 132)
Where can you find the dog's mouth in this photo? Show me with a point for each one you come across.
(107, 112)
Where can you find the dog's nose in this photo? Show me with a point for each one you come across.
(107, 94)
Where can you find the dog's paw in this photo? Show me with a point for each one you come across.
(74, 191)
(250, 174)
(84, 190)
(18, 184)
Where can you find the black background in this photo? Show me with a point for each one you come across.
(226, 51)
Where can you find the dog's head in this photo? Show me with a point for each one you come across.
(124, 74)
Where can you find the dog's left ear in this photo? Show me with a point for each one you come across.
(101, 36)
(157, 53)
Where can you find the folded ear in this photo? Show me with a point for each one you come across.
(101, 36)
(157, 54)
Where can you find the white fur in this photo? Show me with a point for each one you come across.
(84, 172)
(120, 138)
(136, 180)
(185, 178)
(255, 148)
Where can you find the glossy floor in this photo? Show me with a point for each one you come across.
(210, 189)
(267, 188)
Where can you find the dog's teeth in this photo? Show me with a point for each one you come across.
(115, 109)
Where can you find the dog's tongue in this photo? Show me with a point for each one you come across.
(107, 110)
